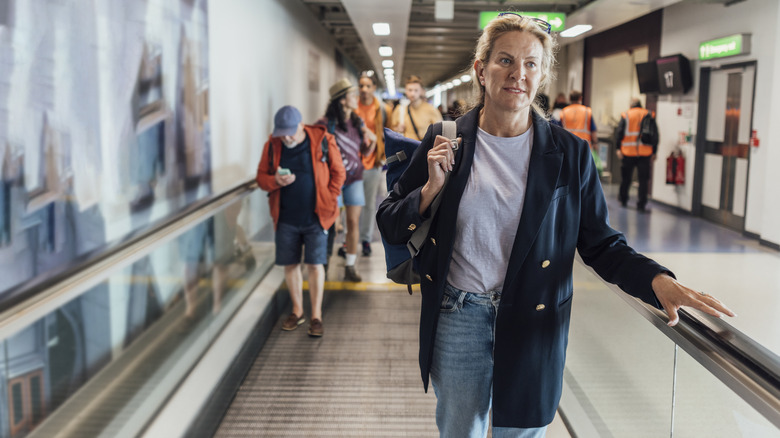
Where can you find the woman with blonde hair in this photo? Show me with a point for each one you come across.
(496, 269)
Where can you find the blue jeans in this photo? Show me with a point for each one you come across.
(462, 367)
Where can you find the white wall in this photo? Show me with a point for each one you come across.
(571, 62)
(770, 143)
(614, 85)
(684, 27)
(259, 59)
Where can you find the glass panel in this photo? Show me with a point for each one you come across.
(707, 407)
(618, 366)
(36, 400)
(17, 400)
(104, 129)
(128, 341)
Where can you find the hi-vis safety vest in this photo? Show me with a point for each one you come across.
(631, 146)
(576, 119)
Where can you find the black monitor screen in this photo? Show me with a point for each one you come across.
(674, 74)
(647, 75)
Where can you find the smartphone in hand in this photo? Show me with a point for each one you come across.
(283, 171)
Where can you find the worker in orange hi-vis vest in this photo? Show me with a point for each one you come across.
(578, 119)
(634, 153)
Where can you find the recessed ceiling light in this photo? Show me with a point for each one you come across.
(388, 63)
(576, 30)
(381, 28)
(456, 82)
(465, 78)
(385, 51)
(389, 71)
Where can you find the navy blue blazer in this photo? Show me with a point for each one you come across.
(564, 211)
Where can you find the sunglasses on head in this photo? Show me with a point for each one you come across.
(545, 26)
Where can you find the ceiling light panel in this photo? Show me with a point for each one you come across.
(385, 51)
(381, 29)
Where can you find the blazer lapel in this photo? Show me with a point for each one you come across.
(543, 171)
(464, 158)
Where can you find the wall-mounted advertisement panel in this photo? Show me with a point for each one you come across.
(103, 125)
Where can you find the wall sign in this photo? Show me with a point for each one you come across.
(557, 20)
(727, 46)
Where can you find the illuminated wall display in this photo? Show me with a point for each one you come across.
(556, 19)
(727, 46)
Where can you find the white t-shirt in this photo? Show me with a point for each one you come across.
(489, 212)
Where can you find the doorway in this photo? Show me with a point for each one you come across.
(723, 156)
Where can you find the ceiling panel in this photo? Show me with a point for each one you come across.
(437, 51)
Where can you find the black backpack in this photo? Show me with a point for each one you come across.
(648, 131)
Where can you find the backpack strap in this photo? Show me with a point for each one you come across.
(271, 169)
(415, 243)
(398, 156)
(324, 146)
(416, 133)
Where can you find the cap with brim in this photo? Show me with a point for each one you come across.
(286, 121)
(341, 88)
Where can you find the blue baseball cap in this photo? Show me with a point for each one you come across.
(286, 121)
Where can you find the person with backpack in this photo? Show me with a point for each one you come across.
(302, 171)
(637, 135)
(513, 204)
(375, 114)
(354, 140)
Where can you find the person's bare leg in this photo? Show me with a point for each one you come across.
(353, 228)
(316, 289)
(294, 279)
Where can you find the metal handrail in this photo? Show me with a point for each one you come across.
(37, 301)
(746, 367)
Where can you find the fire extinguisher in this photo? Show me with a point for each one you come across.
(675, 169)
(679, 172)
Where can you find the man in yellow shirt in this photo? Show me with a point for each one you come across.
(413, 120)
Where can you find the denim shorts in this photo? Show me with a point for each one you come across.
(352, 195)
(289, 239)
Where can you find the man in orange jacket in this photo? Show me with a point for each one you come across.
(302, 171)
(374, 113)
(578, 119)
(634, 153)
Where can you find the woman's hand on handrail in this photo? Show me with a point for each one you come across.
(672, 295)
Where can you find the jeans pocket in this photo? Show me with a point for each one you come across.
(449, 304)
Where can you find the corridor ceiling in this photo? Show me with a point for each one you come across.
(438, 51)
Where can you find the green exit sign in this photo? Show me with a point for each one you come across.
(727, 46)
(556, 19)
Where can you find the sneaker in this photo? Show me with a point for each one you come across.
(315, 328)
(350, 274)
(343, 251)
(292, 322)
(366, 248)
